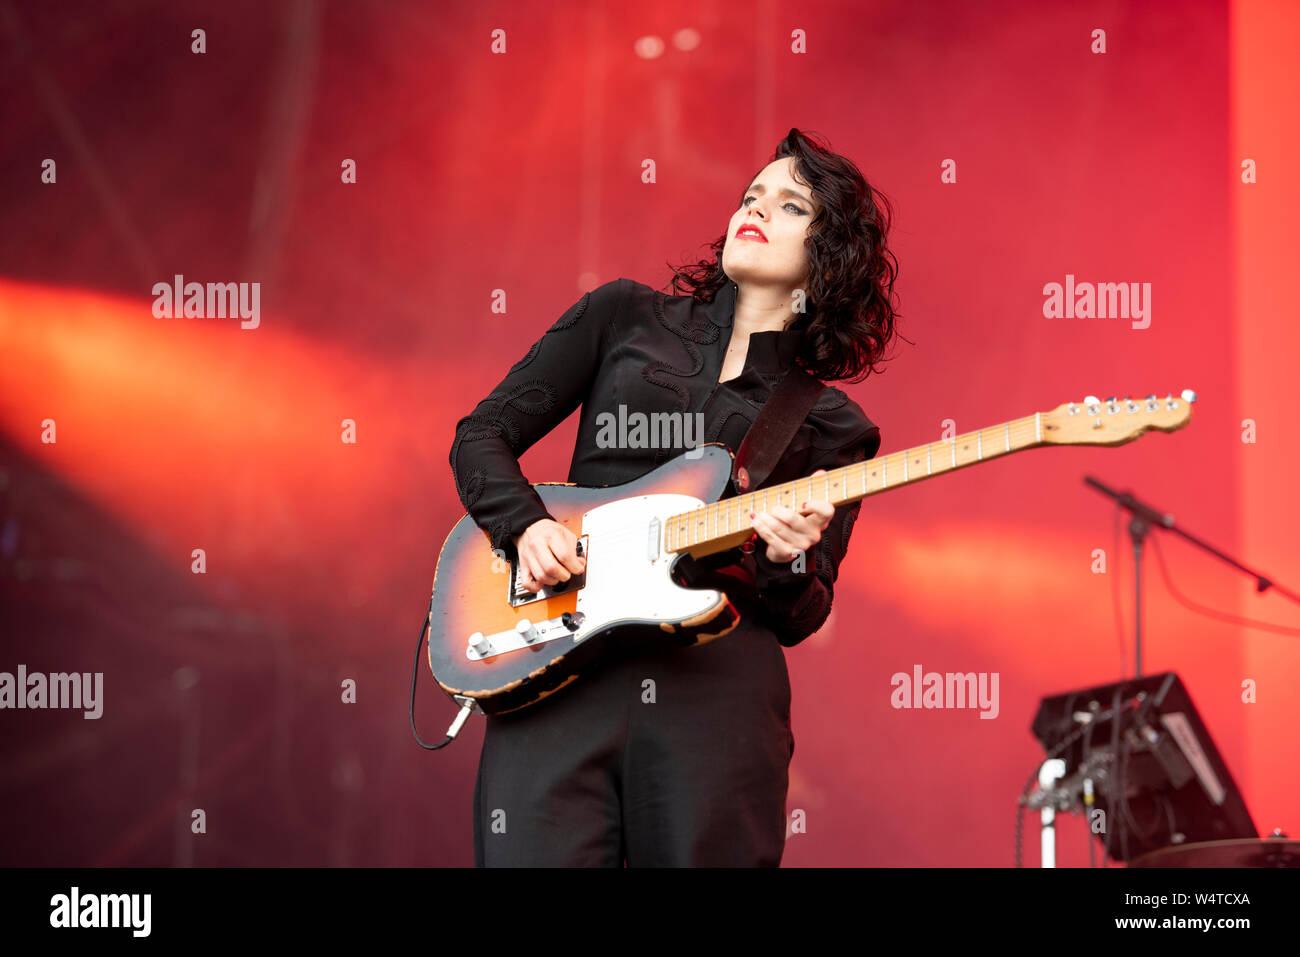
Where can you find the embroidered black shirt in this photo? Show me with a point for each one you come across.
(627, 344)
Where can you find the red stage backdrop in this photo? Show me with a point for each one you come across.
(183, 510)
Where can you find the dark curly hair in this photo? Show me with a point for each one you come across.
(851, 315)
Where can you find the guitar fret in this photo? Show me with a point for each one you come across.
(706, 526)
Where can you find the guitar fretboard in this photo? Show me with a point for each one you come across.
(726, 524)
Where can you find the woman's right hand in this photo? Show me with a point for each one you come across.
(548, 555)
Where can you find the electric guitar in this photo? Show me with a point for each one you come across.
(497, 647)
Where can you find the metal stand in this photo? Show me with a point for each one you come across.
(1144, 517)
(1051, 772)
(1137, 531)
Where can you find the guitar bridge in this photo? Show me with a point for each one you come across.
(517, 594)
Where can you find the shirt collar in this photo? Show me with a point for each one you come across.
(773, 350)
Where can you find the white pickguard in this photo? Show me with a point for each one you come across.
(624, 581)
(627, 579)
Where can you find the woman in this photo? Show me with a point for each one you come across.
(681, 757)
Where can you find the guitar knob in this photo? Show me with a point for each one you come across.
(1189, 395)
(527, 631)
(480, 645)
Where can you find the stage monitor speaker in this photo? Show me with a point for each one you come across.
(1159, 779)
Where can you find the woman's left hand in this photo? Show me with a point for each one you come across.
(789, 532)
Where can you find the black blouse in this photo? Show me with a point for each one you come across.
(627, 344)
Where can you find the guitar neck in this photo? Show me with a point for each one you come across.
(726, 524)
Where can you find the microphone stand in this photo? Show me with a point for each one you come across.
(1143, 518)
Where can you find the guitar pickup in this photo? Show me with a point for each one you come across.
(519, 595)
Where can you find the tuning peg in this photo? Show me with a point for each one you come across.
(1091, 400)
(1189, 395)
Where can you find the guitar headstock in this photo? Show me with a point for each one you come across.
(1115, 421)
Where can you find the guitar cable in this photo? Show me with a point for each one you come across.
(465, 710)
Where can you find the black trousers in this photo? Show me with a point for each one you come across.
(677, 758)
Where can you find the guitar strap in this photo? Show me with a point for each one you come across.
(776, 424)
